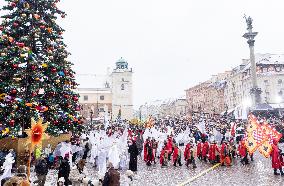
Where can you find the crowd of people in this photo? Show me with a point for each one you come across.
(169, 141)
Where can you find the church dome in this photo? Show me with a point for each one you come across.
(121, 64)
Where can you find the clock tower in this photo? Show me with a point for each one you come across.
(121, 82)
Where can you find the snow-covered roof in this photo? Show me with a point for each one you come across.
(269, 58)
(92, 80)
(272, 59)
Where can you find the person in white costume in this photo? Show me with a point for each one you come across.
(102, 155)
(113, 156)
(7, 166)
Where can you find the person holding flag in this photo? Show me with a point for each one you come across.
(276, 159)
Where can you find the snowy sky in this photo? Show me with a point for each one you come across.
(171, 44)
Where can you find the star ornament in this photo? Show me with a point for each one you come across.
(37, 132)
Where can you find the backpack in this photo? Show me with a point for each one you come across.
(42, 168)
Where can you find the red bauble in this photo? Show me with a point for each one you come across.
(15, 24)
(42, 26)
(56, 122)
(12, 122)
(15, 65)
(77, 109)
(14, 91)
(34, 94)
(13, 4)
(75, 98)
(1, 27)
(33, 67)
(62, 15)
(66, 96)
(69, 122)
(19, 44)
(53, 70)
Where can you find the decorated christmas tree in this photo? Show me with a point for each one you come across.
(36, 79)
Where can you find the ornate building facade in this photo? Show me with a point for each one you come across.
(270, 79)
(109, 94)
(208, 97)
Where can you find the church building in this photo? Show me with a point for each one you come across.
(110, 93)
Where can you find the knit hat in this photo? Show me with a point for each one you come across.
(61, 179)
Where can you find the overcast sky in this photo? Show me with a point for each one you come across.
(170, 44)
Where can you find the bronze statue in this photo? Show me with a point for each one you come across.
(249, 22)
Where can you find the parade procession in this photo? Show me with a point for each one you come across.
(194, 105)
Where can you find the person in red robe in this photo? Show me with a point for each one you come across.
(212, 152)
(170, 147)
(149, 154)
(225, 154)
(185, 154)
(164, 156)
(205, 149)
(243, 153)
(276, 159)
(145, 149)
(190, 156)
(199, 148)
(176, 155)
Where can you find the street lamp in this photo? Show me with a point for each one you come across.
(278, 100)
(91, 116)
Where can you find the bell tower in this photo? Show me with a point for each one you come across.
(121, 82)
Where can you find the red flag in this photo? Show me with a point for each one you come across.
(233, 129)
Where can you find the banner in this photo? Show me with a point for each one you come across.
(260, 137)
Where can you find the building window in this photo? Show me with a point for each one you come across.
(101, 109)
(122, 79)
(279, 81)
(85, 98)
(280, 93)
(102, 97)
(122, 87)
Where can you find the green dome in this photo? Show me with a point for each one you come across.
(121, 64)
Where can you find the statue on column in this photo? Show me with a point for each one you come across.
(249, 22)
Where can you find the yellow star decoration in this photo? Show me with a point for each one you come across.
(35, 137)
(36, 133)
(2, 96)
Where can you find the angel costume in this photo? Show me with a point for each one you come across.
(7, 166)
(113, 156)
(102, 155)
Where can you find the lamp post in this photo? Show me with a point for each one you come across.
(91, 116)
(255, 90)
(279, 101)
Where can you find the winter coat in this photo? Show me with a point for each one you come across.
(75, 176)
(64, 169)
(112, 178)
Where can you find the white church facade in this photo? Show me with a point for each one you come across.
(110, 94)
